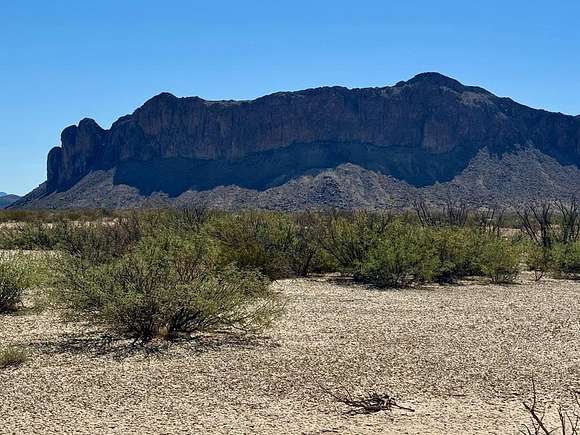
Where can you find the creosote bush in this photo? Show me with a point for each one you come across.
(349, 237)
(163, 286)
(99, 242)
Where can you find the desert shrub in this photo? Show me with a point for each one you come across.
(453, 213)
(47, 216)
(349, 237)
(187, 219)
(278, 245)
(98, 242)
(400, 258)
(28, 235)
(457, 251)
(499, 260)
(566, 260)
(12, 357)
(408, 253)
(254, 240)
(307, 255)
(165, 286)
(13, 283)
(568, 221)
(538, 259)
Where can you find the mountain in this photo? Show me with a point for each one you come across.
(332, 146)
(6, 199)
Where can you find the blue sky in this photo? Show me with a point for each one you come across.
(64, 60)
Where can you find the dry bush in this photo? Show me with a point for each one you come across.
(454, 213)
(12, 357)
(569, 221)
(370, 403)
(537, 221)
(568, 420)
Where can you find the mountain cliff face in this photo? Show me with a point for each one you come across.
(422, 132)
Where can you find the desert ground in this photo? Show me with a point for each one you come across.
(461, 356)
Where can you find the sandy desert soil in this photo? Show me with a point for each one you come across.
(461, 356)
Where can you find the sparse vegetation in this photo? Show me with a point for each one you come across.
(156, 275)
(554, 229)
(12, 357)
(13, 283)
(162, 272)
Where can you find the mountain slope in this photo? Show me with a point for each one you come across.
(429, 135)
(6, 199)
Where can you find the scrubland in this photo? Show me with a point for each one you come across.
(258, 322)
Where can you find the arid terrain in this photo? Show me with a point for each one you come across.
(462, 356)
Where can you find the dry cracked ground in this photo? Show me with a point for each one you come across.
(460, 356)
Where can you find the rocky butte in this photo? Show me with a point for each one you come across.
(430, 136)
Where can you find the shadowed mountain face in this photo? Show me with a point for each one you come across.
(272, 168)
(423, 131)
(6, 199)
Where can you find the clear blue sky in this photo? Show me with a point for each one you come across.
(64, 60)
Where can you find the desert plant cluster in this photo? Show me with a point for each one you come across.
(160, 273)
(155, 275)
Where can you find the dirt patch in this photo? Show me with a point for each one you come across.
(461, 356)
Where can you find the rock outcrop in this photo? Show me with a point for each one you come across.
(421, 132)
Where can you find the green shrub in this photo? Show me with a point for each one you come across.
(539, 259)
(98, 242)
(165, 286)
(566, 262)
(349, 237)
(457, 251)
(13, 283)
(400, 258)
(255, 240)
(499, 260)
(278, 245)
(12, 357)
(28, 235)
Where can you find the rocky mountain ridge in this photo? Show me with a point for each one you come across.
(421, 133)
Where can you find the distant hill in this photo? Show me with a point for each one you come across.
(6, 199)
(430, 136)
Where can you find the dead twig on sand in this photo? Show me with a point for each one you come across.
(369, 404)
(569, 421)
